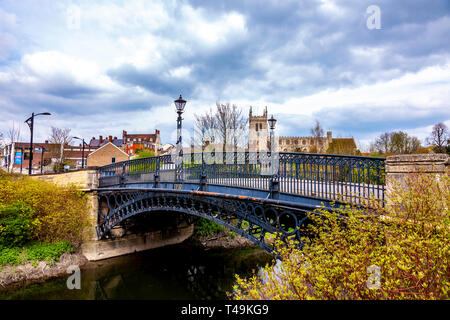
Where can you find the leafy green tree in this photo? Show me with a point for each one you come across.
(144, 153)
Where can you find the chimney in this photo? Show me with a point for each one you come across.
(115, 138)
(329, 136)
(101, 139)
(110, 138)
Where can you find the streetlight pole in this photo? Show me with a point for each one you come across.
(30, 122)
(179, 104)
(274, 181)
(272, 121)
(82, 154)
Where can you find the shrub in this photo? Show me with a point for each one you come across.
(203, 227)
(15, 224)
(50, 252)
(59, 213)
(34, 252)
(408, 243)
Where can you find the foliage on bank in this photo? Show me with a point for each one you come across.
(34, 252)
(401, 252)
(36, 210)
(204, 228)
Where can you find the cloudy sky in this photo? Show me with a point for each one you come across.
(103, 66)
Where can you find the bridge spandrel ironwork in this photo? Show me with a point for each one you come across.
(262, 221)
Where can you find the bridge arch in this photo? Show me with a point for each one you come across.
(259, 220)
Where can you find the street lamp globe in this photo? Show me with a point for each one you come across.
(179, 104)
(272, 121)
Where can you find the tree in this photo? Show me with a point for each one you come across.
(205, 126)
(398, 142)
(61, 137)
(382, 143)
(14, 133)
(316, 132)
(144, 153)
(226, 125)
(439, 137)
(2, 142)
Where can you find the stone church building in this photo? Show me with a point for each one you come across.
(259, 139)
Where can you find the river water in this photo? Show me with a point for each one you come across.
(174, 272)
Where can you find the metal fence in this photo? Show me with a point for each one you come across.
(331, 177)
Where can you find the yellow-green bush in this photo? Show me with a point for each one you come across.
(409, 241)
(59, 213)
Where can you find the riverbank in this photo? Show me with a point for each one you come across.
(12, 277)
(221, 240)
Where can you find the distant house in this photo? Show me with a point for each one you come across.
(131, 142)
(106, 154)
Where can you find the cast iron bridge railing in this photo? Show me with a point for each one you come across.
(256, 195)
(326, 177)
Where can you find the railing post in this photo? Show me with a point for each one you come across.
(203, 177)
(156, 184)
(275, 187)
(122, 175)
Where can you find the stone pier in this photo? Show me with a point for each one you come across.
(400, 166)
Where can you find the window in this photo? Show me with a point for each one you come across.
(304, 142)
(260, 126)
(113, 160)
(256, 127)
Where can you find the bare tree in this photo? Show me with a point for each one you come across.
(226, 125)
(316, 132)
(61, 137)
(205, 126)
(14, 133)
(439, 137)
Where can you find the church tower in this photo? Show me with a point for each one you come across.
(258, 131)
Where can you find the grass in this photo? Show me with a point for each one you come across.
(34, 252)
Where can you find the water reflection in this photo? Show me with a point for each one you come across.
(176, 272)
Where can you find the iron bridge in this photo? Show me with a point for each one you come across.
(259, 196)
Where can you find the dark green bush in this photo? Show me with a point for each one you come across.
(15, 224)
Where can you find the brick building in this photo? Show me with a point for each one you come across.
(135, 141)
(106, 154)
(16, 156)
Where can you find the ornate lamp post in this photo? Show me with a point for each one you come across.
(30, 122)
(272, 121)
(82, 154)
(274, 182)
(179, 104)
